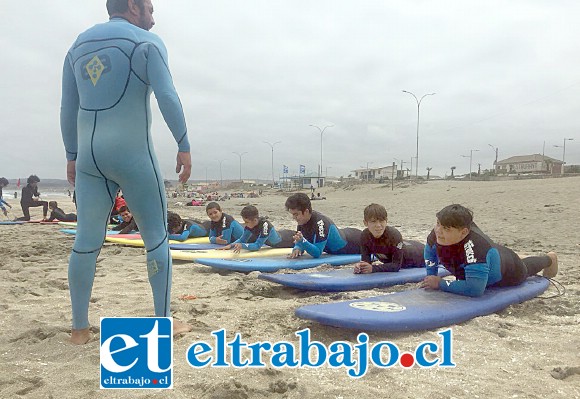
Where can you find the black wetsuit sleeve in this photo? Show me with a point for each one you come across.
(132, 225)
(365, 247)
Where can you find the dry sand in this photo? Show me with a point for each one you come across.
(530, 350)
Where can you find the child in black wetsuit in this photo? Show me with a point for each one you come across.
(58, 214)
(30, 198)
(386, 244)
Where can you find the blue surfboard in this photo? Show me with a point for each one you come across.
(274, 264)
(10, 222)
(419, 309)
(346, 280)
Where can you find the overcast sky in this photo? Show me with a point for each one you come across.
(505, 73)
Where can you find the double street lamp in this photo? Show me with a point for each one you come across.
(321, 130)
(272, 146)
(496, 149)
(240, 155)
(418, 107)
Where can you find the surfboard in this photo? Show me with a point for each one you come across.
(224, 255)
(345, 280)
(194, 247)
(10, 222)
(74, 232)
(271, 264)
(419, 309)
(74, 224)
(136, 241)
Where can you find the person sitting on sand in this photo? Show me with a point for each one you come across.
(58, 214)
(386, 244)
(128, 224)
(224, 228)
(259, 232)
(3, 183)
(317, 233)
(31, 198)
(182, 229)
(474, 259)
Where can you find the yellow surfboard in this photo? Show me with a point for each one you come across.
(140, 243)
(74, 224)
(227, 254)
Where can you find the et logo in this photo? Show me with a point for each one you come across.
(136, 353)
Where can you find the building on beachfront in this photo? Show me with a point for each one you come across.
(535, 163)
(380, 173)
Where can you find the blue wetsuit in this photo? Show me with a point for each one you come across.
(264, 233)
(320, 234)
(108, 75)
(477, 262)
(2, 202)
(227, 227)
(191, 229)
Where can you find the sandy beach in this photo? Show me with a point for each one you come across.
(529, 350)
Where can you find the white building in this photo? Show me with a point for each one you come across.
(383, 172)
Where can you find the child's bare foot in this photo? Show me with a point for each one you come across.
(552, 270)
(80, 337)
(180, 327)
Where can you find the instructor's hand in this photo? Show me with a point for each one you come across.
(71, 172)
(183, 161)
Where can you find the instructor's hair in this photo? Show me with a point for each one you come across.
(375, 212)
(456, 216)
(298, 201)
(33, 179)
(121, 6)
(250, 212)
(3, 181)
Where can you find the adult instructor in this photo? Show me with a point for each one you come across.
(108, 75)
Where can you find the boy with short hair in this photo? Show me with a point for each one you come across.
(386, 244)
(259, 232)
(317, 233)
(182, 229)
(474, 259)
(128, 224)
(224, 228)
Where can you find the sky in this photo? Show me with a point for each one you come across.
(505, 75)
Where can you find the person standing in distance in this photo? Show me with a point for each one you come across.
(108, 75)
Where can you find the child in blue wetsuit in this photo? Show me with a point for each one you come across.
(224, 228)
(474, 259)
(180, 229)
(259, 232)
(386, 245)
(317, 233)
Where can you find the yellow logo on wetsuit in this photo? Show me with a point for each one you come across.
(95, 68)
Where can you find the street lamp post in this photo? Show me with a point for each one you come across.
(470, 156)
(240, 155)
(563, 152)
(321, 133)
(272, 147)
(496, 149)
(221, 176)
(418, 107)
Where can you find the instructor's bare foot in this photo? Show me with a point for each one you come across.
(80, 337)
(180, 327)
(552, 270)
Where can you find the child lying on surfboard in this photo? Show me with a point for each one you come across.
(474, 259)
(386, 244)
(182, 229)
(259, 232)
